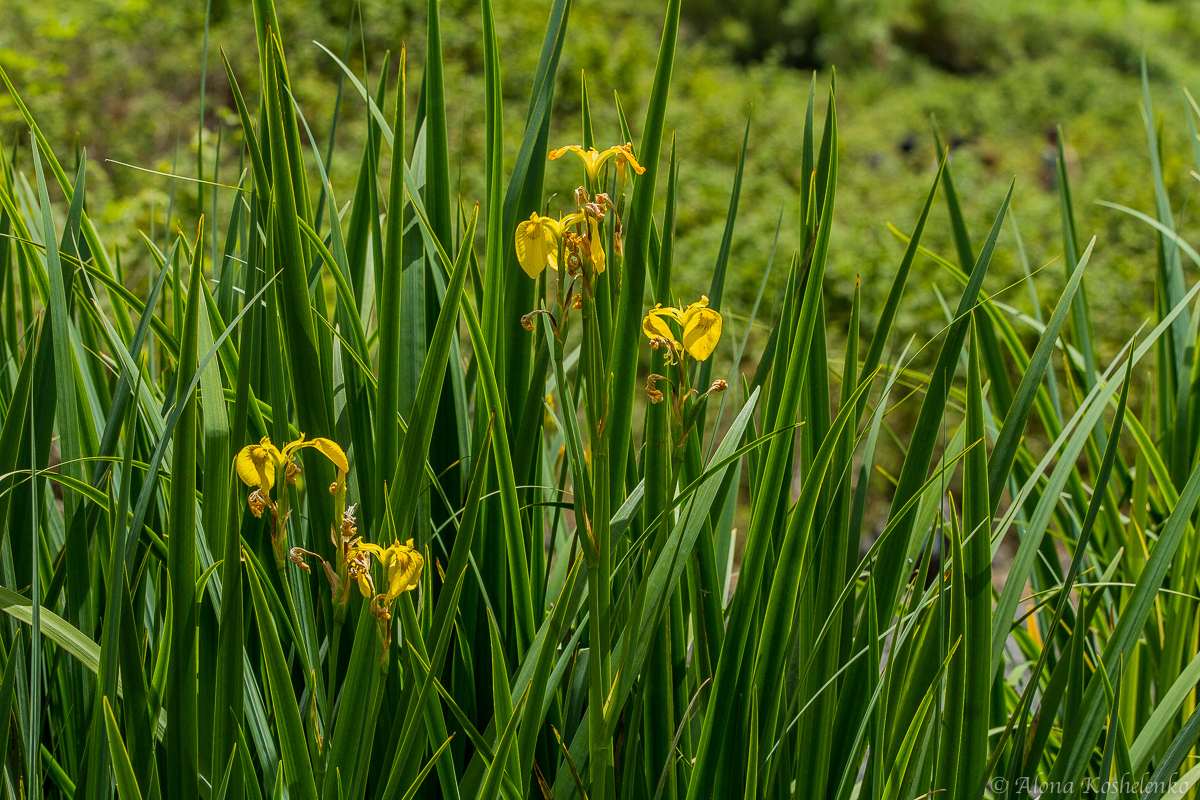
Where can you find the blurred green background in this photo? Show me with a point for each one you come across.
(122, 78)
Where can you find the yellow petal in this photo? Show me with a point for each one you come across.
(701, 330)
(537, 245)
(331, 450)
(655, 328)
(627, 156)
(373, 549)
(559, 152)
(624, 155)
(655, 324)
(596, 245)
(327, 447)
(667, 311)
(256, 464)
(246, 468)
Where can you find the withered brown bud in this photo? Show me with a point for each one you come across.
(349, 529)
(258, 502)
(658, 343)
(296, 555)
(651, 391)
(573, 248)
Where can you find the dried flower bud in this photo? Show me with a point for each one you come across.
(577, 301)
(349, 529)
(582, 197)
(659, 342)
(653, 393)
(379, 610)
(258, 501)
(527, 321)
(296, 555)
(718, 386)
(573, 249)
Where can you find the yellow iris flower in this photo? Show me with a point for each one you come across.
(537, 244)
(402, 564)
(701, 327)
(258, 463)
(261, 465)
(593, 160)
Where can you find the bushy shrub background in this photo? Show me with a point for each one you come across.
(122, 76)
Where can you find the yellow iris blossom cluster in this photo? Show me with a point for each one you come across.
(258, 466)
(541, 240)
(401, 563)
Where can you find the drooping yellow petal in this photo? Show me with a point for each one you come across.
(537, 244)
(655, 324)
(328, 448)
(373, 549)
(559, 152)
(596, 245)
(623, 153)
(574, 218)
(256, 464)
(590, 158)
(701, 329)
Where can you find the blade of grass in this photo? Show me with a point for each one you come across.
(181, 701)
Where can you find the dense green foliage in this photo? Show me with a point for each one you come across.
(373, 481)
